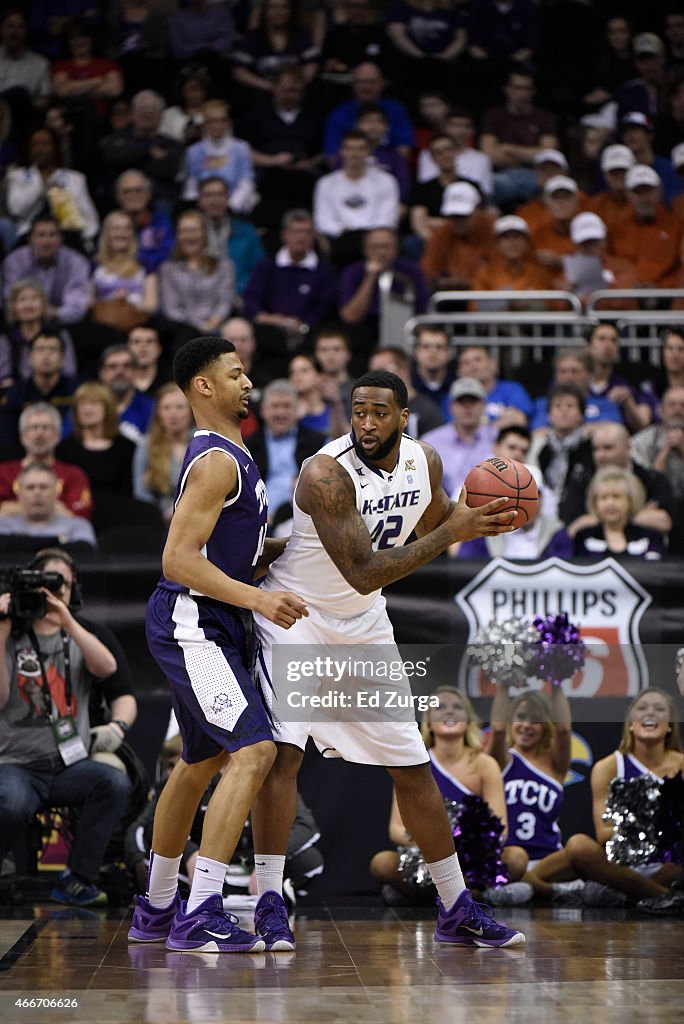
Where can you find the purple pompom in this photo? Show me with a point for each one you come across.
(558, 651)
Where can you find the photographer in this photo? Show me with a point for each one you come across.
(47, 664)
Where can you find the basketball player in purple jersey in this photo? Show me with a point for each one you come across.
(216, 545)
(344, 548)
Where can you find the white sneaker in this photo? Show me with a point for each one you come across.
(568, 894)
(515, 894)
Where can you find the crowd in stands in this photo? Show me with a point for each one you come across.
(257, 169)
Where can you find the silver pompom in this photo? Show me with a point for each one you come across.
(502, 650)
(632, 807)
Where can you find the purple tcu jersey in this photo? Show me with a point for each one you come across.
(238, 537)
(629, 768)
(449, 787)
(533, 801)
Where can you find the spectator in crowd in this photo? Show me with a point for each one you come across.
(670, 124)
(548, 163)
(314, 411)
(153, 225)
(234, 238)
(203, 32)
(501, 33)
(124, 294)
(551, 241)
(674, 33)
(353, 42)
(150, 371)
(277, 42)
(194, 288)
(37, 515)
(24, 74)
(432, 372)
(671, 372)
(661, 446)
(564, 453)
(610, 445)
(62, 272)
(637, 134)
(512, 135)
(588, 235)
(96, 445)
(45, 183)
(359, 292)
(159, 455)
(333, 352)
(368, 85)
(220, 155)
(141, 146)
(424, 415)
(47, 382)
(133, 408)
(605, 381)
(285, 137)
(469, 163)
(468, 439)
(433, 110)
(511, 266)
(184, 121)
(292, 291)
(40, 429)
(26, 313)
(85, 78)
(241, 333)
(372, 121)
(137, 38)
(282, 444)
(644, 93)
(504, 398)
(615, 64)
(428, 195)
(575, 366)
(425, 35)
(612, 204)
(614, 498)
(455, 251)
(35, 773)
(356, 198)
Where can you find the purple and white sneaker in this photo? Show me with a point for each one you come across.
(271, 923)
(209, 929)
(152, 924)
(468, 924)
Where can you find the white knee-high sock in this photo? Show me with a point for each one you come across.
(162, 880)
(269, 872)
(207, 881)
(448, 879)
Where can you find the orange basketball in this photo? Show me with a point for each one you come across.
(504, 478)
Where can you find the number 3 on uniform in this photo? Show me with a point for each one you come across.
(525, 826)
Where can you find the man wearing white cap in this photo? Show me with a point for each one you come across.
(637, 134)
(649, 235)
(547, 164)
(611, 205)
(512, 266)
(590, 267)
(677, 157)
(455, 251)
(551, 241)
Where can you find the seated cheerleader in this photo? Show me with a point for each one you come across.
(452, 736)
(531, 741)
(650, 745)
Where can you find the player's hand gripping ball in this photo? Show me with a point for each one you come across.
(504, 478)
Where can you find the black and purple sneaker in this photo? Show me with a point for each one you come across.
(468, 924)
(152, 924)
(209, 929)
(271, 923)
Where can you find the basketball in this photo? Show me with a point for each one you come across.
(504, 478)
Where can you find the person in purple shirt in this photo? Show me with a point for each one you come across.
(62, 272)
(367, 86)
(295, 289)
(359, 293)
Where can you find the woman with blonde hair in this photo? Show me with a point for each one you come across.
(124, 295)
(159, 456)
(615, 496)
(454, 742)
(650, 745)
(27, 317)
(96, 445)
(195, 288)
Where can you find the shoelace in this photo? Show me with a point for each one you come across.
(479, 911)
(218, 921)
(278, 911)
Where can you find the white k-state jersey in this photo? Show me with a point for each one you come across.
(390, 504)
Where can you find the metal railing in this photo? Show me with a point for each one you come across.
(397, 304)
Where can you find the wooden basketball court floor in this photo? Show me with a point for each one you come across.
(361, 965)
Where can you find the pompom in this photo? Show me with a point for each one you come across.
(558, 651)
(669, 823)
(503, 651)
(632, 807)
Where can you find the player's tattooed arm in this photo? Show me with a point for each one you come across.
(441, 506)
(326, 493)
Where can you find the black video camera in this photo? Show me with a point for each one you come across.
(27, 603)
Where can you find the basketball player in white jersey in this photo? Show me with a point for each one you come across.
(355, 505)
